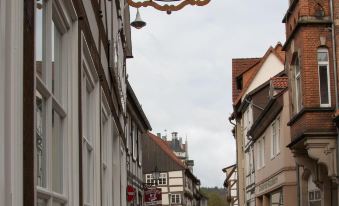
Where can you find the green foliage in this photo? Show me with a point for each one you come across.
(216, 196)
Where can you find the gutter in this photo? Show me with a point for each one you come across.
(335, 77)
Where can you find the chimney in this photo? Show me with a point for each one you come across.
(159, 135)
(190, 164)
(174, 135)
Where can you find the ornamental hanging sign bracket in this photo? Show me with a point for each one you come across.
(167, 5)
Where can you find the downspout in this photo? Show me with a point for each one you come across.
(335, 80)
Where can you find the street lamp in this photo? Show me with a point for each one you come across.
(156, 175)
(138, 23)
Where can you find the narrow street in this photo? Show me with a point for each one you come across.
(169, 103)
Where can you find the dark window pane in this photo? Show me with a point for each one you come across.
(323, 78)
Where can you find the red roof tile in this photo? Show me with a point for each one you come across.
(279, 82)
(277, 51)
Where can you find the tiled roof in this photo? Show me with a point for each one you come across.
(239, 67)
(277, 51)
(279, 82)
(164, 146)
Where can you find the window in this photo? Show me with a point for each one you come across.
(314, 197)
(175, 199)
(297, 89)
(162, 179)
(131, 137)
(239, 83)
(140, 148)
(276, 199)
(90, 121)
(324, 78)
(149, 179)
(88, 147)
(261, 153)
(275, 140)
(50, 107)
(105, 134)
(134, 142)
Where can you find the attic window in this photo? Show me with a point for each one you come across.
(239, 83)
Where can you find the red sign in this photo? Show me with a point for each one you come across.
(153, 196)
(130, 193)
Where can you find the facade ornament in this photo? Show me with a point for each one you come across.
(167, 5)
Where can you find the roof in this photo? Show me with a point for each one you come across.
(279, 82)
(168, 151)
(277, 51)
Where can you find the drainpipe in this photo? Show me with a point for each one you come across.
(335, 82)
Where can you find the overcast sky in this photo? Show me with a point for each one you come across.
(181, 71)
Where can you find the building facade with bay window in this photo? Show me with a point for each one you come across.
(64, 99)
(312, 65)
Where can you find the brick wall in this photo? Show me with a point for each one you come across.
(304, 43)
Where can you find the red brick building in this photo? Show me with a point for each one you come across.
(311, 37)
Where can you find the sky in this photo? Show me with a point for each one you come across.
(181, 72)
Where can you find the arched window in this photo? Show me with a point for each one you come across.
(324, 78)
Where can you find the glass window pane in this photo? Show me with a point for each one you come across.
(39, 37)
(323, 78)
(298, 94)
(40, 140)
(57, 152)
(323, 56)
(41, 202)
(297, 67)
(57, 204)
(56, 61)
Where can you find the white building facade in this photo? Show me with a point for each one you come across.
(63, 102)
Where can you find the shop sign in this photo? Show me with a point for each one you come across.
(269, 183)
(152, 196)
(130, 193)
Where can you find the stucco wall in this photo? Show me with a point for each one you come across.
(270, 68)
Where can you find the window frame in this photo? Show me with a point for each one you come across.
(176, 197)
(105, 150)
(320, 64)
(275, 138)
(297, 82)
(162, 179)
(54, 104)
(89, 83)
(261, 153)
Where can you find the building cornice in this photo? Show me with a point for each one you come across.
(304, 21)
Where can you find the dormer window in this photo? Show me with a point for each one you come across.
(239, 83)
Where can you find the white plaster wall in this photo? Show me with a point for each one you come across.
(176, 181)
(73, 119)
(176, 189)
(164, 189)
(11, 50)
(2, 101)
(165, 199)
(270, 68)
(175, 174)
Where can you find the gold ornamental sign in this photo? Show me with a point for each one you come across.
(167, 5)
